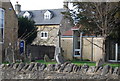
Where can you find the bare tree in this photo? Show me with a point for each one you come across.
(98, 18)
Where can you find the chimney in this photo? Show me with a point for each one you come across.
(65, 4)
(17, 8)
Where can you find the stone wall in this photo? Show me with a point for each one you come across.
(58, 71)
(51, 40)
(10, 28)
(11, 25)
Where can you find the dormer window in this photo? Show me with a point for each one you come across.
(27, 14)
(48, 15)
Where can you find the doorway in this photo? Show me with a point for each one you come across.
(77, 43)
(114, 54)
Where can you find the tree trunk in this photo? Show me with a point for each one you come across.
(103, 50)
(13, 55)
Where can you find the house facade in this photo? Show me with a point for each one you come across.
(88, 47)
(81, 47)
(50, 24)
(8, 28)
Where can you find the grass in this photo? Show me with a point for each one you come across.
(94, 64)
(43, 62)
(82, 63)
(78, 63)
(114, 65)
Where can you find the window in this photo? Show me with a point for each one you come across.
(47, 15)
(44, 35)
(27, 14)
(1, 25)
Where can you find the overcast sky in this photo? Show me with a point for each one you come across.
(39, 4)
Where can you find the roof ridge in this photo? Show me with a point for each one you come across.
(45, 9)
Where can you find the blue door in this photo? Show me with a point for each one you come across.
(22, 46)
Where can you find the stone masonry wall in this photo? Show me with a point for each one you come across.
(51, 40)
(10, 28)
(57, 71)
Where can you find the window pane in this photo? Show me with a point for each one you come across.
(1, 23)
(46, 16)
(45, 34)
(1, 34)
(1, 13)
(77, 53)
(42, 34)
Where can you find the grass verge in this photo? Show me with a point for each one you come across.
(82, 63)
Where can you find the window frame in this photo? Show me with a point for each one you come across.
(44, 34)
(47, 15)
(27, 14)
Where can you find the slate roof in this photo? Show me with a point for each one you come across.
(38, 16)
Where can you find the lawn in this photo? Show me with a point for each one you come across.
(79, 63)
(82, 63)
(114, 65)
(43, 62)
(93, 63)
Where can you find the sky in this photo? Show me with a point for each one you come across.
(38, 4)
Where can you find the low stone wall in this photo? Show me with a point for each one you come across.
(57, 71)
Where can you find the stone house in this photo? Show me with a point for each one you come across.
(8, 28)
(50, 24)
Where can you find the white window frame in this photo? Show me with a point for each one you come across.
(42, 34)
(47, 15)
(3, 22)
(27, 14)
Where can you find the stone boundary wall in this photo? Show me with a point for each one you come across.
(64, 71)
(58, 80)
